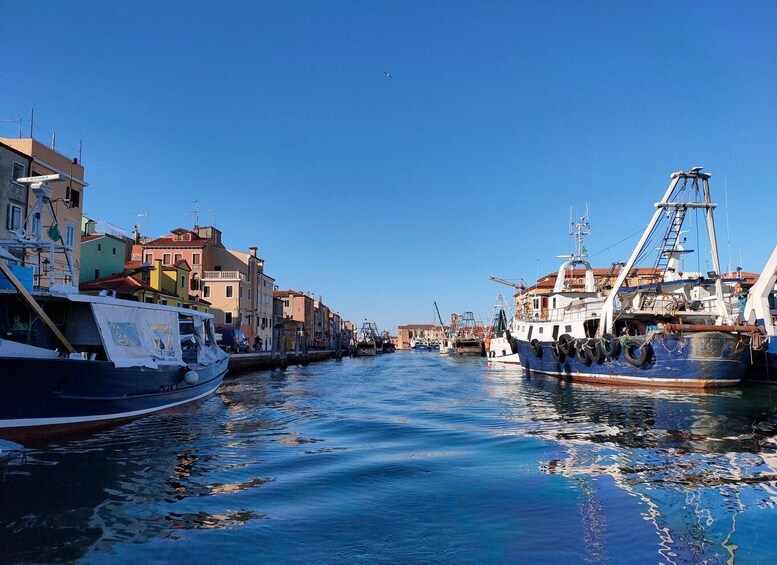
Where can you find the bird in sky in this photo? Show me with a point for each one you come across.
(388, 74)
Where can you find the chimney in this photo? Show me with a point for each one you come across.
(253, 250)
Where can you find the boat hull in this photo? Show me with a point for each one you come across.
(45, 397)
(764, 364)
(698, 360)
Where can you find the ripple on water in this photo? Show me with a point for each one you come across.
(409, 457)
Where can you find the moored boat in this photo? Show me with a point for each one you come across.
(500, 346)
(70, 362)
(676, 331)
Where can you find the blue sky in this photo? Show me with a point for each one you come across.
(384, 194)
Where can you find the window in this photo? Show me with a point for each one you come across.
(195, 281)
(149, 258)
(70, 235)
(195, 258)
(35, 223)
(228, 291)
(99, 247)
(18, 172)
(149, 300)
(163, 302)
(166, 259)
(227, 317)
(240, 292)
(97, 273)
(72, 197)
(249, 294)
(177, 257)
(13, 217)
(114, 251)
(183, 281)
(206, 291)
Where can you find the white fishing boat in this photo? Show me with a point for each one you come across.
(500, 345)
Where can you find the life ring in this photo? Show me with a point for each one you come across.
(566, 344)
(611, 346)
(594, 351)
(636, 351)
(537, 347)
(555, 350)
(582, 354)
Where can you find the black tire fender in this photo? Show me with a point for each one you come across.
(636, 351)
(537, 347)
(566, 344)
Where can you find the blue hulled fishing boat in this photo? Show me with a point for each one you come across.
(659, 326)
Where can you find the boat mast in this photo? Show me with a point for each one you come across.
(663, 206)
(609, 304)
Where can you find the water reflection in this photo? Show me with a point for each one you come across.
(135, 482)
(696, 461)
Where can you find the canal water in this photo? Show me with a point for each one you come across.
(409, 458)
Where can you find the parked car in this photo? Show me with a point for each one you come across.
(232, 340)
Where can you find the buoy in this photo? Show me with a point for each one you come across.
(191, 378)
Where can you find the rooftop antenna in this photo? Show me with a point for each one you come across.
(212, 217)
(32, 120)
(143, 215)
(195, 215)
(19, 120)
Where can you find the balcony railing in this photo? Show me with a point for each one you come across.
(224, 275)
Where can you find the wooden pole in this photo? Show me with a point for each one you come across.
(28, 298)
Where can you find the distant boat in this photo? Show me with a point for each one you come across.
(500, 346)
(367, 344)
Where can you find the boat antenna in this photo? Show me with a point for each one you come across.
(728, 231)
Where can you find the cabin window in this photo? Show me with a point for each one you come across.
(541, 329)
(114, 251)
(568, 329)
(166, 259)
(206, 291)
(555, 333)
(97, 273)
(554, 302)
(228, 291)
(227, 317)
(13, 218)
(99, 247)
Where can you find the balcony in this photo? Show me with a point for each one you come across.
(224, 276)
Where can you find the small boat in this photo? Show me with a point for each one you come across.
(761, 310)
(367, 344)
(500, 346)
(678, 330)
(70, 361)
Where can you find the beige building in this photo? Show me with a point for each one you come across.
(416, 331)
(299, 307)
(66, 199)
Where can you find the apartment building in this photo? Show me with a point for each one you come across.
(35, 159)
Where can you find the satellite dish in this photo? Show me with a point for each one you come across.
(19, 233)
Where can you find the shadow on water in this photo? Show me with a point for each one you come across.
(697, 461)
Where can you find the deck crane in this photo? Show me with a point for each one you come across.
(520, 286)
